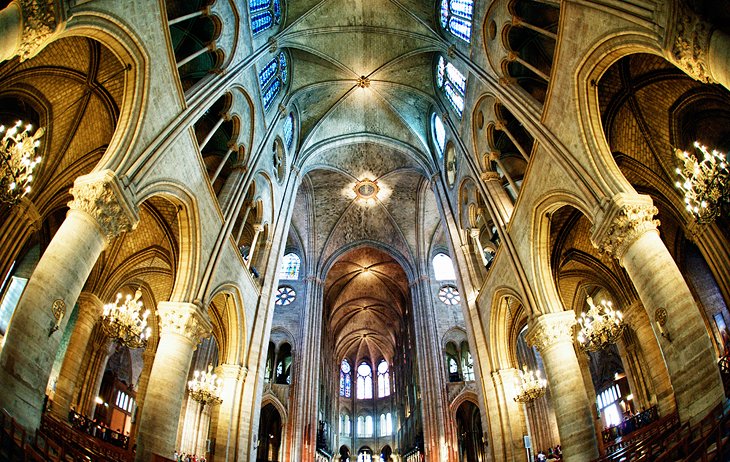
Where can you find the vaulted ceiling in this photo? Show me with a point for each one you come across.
(363, 84)
(362, 67)
(366, 294)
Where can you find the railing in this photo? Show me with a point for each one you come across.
(632, 424)
(322, 456)
(89, 446)
(724, 365)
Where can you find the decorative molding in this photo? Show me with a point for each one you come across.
(39, 23)
(363, 82)
(550, 329)
(101, 197)
(628, 217)
(690, 44)
(184, 319)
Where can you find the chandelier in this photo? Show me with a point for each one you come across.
(530, 386)
(705, 184)
(125, 323)
(205, 387)
(600, 327)
(18, 147)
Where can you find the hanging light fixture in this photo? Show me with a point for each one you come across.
(205, 387)
(18, 151)
(126, 322)
(600, 327)
(705, 183)
(529, 385)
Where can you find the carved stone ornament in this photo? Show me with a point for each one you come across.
(99, 200)
(39, 22)
(691, 43)
(550, 329)
(630, 221)
(491, 176)
(184, 319)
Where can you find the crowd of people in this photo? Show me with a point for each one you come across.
(552, 454)
(180, 456)
(98, 429)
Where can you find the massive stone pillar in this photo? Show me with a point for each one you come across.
(182, 327)
(552, 334)
(26, 26)
(626, 229)
(90, 310)
(224, 419)
(99, 212)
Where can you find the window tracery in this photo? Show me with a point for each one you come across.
(453, 84)
(364, 381)
(289, 131)
(449, 295)
(272, 78)
(456, 17)
(345, 379)
(383, 379)
(285, 295)
(290, 266)
(264, 14)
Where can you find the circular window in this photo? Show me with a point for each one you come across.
(285, 295)
(449, 295)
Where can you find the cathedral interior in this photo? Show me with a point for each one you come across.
(364, 230)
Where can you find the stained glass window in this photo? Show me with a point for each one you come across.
(364, 381)
(285, 295)
(345, 379)
(264, 14)
(456, 16)
(383, 379)
(289, 130)
(453, 83)
(290, 266)
(272, 78)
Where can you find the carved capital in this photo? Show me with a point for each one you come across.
(474, 233)
(90, 305)
(624, 219)
(100, 196)
(550, 329)
(490, 176)
(39, 23)
(184, 319)
(231, 371)
(690, 43)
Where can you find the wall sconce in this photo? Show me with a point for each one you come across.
(59, 311)
(660, 318)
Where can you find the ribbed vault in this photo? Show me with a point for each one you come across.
(366, 294)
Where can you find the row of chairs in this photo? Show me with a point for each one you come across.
(89, 447)
(12, 438)
(666, 441)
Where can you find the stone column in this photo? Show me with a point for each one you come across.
(513, 427)
(90, 310)
(257, 228)
(99, 212)
(474, 233)
(226, 428)
(182, 327)
(552, 334)
(626, 229)
(27, 26)
(503, 203)
(697, 47)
